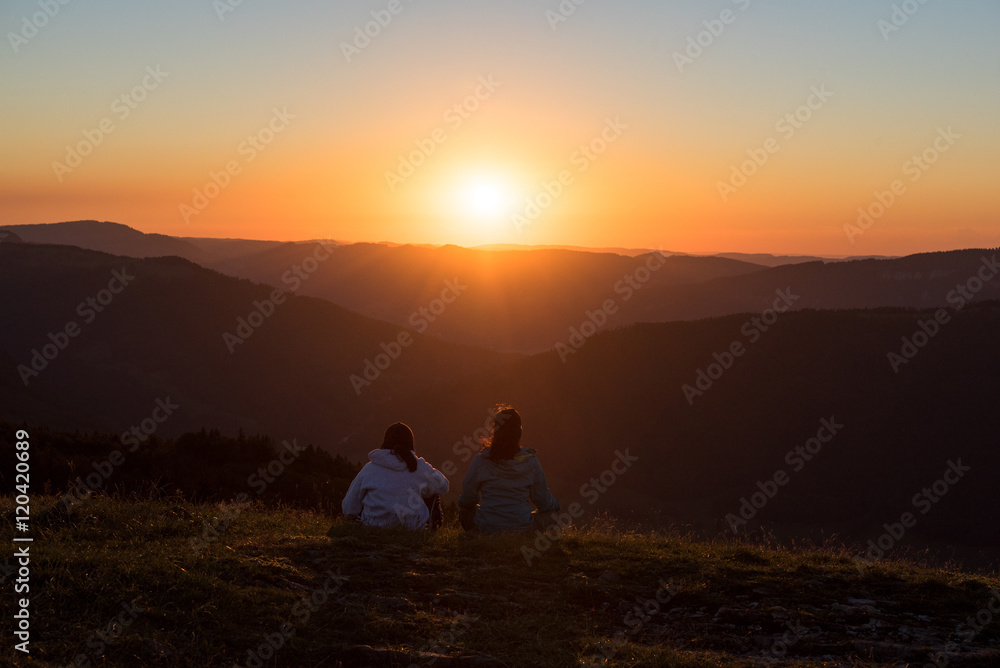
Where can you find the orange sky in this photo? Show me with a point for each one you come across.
(494, 103)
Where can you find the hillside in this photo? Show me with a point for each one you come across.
(162, 582)
(106, 237)
(926, 280)
(120, 334)
(519, 300)
(7, 236)
(118, 239)
(769, 260)
(526, 300)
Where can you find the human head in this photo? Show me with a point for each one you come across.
(506, 438)
(399, 438)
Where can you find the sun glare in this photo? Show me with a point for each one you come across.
(485, 199)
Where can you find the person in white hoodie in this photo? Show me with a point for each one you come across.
(396, 488)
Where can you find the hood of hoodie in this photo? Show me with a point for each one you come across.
(387, 459)
(511, 468)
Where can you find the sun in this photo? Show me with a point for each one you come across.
(485, 198)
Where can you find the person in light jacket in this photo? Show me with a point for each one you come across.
(396, 488)
(503, 482)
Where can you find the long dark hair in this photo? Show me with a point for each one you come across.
(399, 438)
(505, 440)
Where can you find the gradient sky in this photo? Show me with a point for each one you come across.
(655, 186)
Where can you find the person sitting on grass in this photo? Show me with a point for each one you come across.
(503, 482)
(396, 488)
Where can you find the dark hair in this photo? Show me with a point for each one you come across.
(506, 438)
(399, 438)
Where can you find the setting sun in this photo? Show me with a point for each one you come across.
(485, 199)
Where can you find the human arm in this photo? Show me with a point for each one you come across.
(539, 491)
(470, 485)
(352, 504)
(469, 499)
(435, 482)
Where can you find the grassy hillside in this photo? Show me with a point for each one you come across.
(162, 582)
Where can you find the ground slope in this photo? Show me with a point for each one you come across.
(166, 583)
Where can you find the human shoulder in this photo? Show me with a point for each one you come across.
(425, 466)
(477, 462)
(526, 455)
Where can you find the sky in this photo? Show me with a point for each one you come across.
(837, 127)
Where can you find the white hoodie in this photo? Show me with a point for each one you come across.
(386, 494)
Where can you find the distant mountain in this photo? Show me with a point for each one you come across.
(523, 301)
(769, 260)
(763, 259)
(109, 238)
(118, 239)
(218, 250)
(617, 250)
(7, 236)
(918, 281)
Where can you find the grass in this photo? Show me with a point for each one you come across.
(344, 595)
